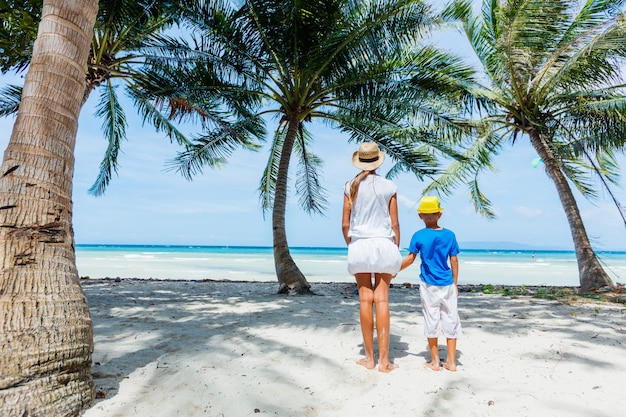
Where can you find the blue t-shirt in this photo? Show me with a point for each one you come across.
(434, 248)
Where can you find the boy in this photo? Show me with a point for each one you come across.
(438, 289)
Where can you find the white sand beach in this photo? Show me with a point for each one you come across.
(235, 349)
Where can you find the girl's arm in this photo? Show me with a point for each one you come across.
(345, 219)
(395, 223)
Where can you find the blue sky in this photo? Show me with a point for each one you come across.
(145, 204)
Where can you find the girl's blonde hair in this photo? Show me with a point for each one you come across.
(354, 186)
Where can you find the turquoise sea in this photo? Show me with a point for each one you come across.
(498, 267)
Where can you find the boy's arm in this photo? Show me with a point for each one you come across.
(410, 258)
(454, 266)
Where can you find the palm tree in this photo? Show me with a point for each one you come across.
(39, 282)
(46, 331)
(118, 54)
(342, 62)
(551, 75)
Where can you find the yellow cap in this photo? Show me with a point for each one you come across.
(429, 204)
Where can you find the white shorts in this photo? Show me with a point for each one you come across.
(441, 315)
(379, 255)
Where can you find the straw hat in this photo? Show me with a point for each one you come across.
(368, 157)
(429, 204)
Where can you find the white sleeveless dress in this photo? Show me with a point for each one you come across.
(372, 248)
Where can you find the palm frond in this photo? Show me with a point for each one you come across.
(173, 91)
(114, 128)
(607, 171)
(10, 97)
(476, 158)
(213, 148)
(482, 204)
(588, 53)
(578, 172)
(593, 120)
(608, 167)
(312, 195)
(267, 187)
(611, 173)
(151, 113)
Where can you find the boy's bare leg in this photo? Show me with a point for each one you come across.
(381, 300)
(450, 363)
(434, 354)
(366, 299)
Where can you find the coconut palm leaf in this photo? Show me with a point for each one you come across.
(10, 96)
(312, 195)
(267, 187)
(114, 128)
(215, 147)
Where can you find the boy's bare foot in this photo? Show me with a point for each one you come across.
(388, 367)
(449, 367)
(367, 363)
(433, 365)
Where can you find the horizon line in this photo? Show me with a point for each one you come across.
(508, 246)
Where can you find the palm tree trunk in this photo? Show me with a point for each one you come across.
(46, 336)
(591, 275)
(291, 280)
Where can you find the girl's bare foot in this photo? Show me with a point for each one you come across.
(433, 365)
(449, 367)
(387, 367)
(367, 363)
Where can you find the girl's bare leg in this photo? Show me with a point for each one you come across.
(366, 299)
(381, 301)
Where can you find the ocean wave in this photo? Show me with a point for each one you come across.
(509, 264)
(138, 256)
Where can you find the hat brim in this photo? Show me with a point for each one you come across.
(430, 211)
(368, 166)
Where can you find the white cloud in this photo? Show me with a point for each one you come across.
(529, 212)
(407, 202)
